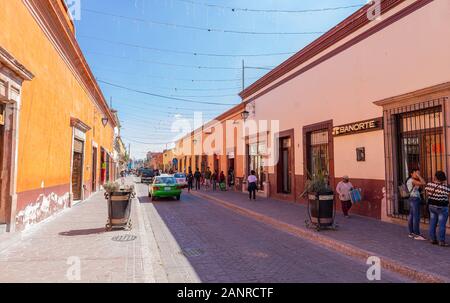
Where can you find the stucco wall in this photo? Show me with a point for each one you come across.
(406, 56)
(48, 102)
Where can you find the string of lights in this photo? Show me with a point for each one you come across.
(160, 96)
(179, 65)
(176, 79)
(241, 9)
(207, 29)
(185, 52)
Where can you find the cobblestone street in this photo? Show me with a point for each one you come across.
(192, 240)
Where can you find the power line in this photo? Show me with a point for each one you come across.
(165, 63)
(177, 79)
(180, 65)
(147, 143)
(161, 96)
(185, 52)
(207, 29)
(240, 9)
(201, 96)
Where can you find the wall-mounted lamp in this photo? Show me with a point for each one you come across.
(105, 121)
(245, 114)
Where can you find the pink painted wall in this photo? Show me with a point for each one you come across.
(411, 54)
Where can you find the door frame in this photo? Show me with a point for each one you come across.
(94, 167)
(290, 133)
(12, 76)
(79, 130)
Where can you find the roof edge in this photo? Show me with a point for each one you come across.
(342, 30)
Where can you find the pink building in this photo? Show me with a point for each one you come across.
(368, 99)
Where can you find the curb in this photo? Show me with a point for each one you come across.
(332, 244)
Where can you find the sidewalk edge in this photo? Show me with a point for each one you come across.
(327, 242)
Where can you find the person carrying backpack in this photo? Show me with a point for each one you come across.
(413, 184)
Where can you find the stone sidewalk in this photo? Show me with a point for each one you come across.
(357, 236)
(52, 250)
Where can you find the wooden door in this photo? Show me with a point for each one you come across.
(77, 170)
(94, 169)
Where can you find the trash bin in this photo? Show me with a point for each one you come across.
(119, 209)
(321, 210)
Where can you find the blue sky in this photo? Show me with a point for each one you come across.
(120, 45)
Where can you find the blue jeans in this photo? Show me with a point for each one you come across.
(438, 216)
(414, 215)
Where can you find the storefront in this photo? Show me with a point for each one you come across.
(415, 138)
(255, 162)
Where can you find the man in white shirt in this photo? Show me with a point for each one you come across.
(252, 185)
(343, 189)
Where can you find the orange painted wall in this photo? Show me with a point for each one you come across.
(48, 102)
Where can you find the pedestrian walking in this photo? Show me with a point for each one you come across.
(414, 184)
(438, 192)
(214, 178)
(343, 189)
(230, 177)
(190, 180)
(252, 185)
(208, 178)
(197, 177)
(222, 184)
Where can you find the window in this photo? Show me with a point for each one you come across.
(318, 160)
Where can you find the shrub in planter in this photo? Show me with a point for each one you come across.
(320, 200)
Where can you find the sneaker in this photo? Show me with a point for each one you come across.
(434, 242)
(443, 244)
(419, 238)
(412, 236)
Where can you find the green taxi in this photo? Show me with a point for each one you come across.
(164, 186)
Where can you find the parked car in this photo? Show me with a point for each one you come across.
(147, 175)
(164, 186)
(181, 179)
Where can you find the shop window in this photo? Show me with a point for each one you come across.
(255, 162)
(421, 144)
(318, 160)
(414, 138)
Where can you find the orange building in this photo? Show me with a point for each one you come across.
(57, 131)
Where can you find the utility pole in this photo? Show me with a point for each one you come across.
(243, 75)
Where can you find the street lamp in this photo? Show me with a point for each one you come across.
(245, 114)
(105, 121)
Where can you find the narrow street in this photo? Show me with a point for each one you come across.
(222, 246)
(192, 240)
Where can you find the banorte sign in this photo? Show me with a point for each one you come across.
(358, 127)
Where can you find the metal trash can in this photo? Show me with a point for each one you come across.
(119, 209)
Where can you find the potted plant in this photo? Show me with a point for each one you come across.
(321, 206)
(119, 197)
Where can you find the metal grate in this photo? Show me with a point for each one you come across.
(192, 252)
(415, 137)
(124, 238)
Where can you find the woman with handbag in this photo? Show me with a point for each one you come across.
(413, 184)
(438, 193)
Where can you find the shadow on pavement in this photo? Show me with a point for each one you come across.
(83, 232)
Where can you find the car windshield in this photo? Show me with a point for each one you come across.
(165, 180)
(148, 172)
(179, 176)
